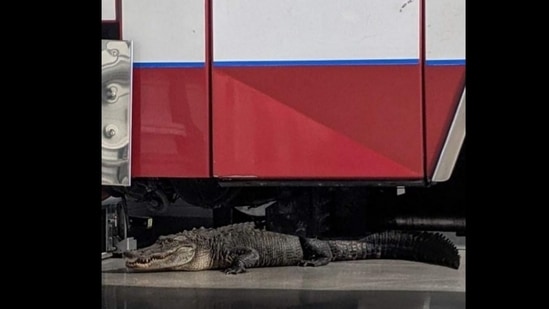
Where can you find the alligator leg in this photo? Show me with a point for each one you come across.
(242, 258)
(315, 252)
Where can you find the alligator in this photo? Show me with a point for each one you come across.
(237, 247)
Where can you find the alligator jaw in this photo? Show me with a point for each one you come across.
(145, 262)
(155, 257)
(159, 257)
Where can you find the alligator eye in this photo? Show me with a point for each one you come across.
(165, 242)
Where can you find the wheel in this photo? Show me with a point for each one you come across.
(204, 193)
(157, 202)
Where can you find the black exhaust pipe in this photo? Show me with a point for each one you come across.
(454, 224)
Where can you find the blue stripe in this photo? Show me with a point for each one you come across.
(274, 63)
(165, 65)
(446, 62)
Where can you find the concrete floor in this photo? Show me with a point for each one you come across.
(355, 284)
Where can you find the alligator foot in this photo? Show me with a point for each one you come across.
(237, 267)
(233, 270)
(314, 263)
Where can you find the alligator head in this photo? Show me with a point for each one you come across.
(168, 252)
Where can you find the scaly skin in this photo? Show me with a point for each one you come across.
(237, 247)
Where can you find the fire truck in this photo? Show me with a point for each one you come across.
(223, 103)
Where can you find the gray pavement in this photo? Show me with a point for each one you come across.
(354, 284)
(352, 275)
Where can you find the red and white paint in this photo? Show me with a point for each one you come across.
(317, 89)
(171, 128)
(444, 71)
(312, 89)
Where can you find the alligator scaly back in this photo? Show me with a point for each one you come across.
(426, 247)
(246, 227)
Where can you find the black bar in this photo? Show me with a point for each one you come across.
(319, 183)
(428, 223)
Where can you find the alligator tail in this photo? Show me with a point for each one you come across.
(426, 247)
